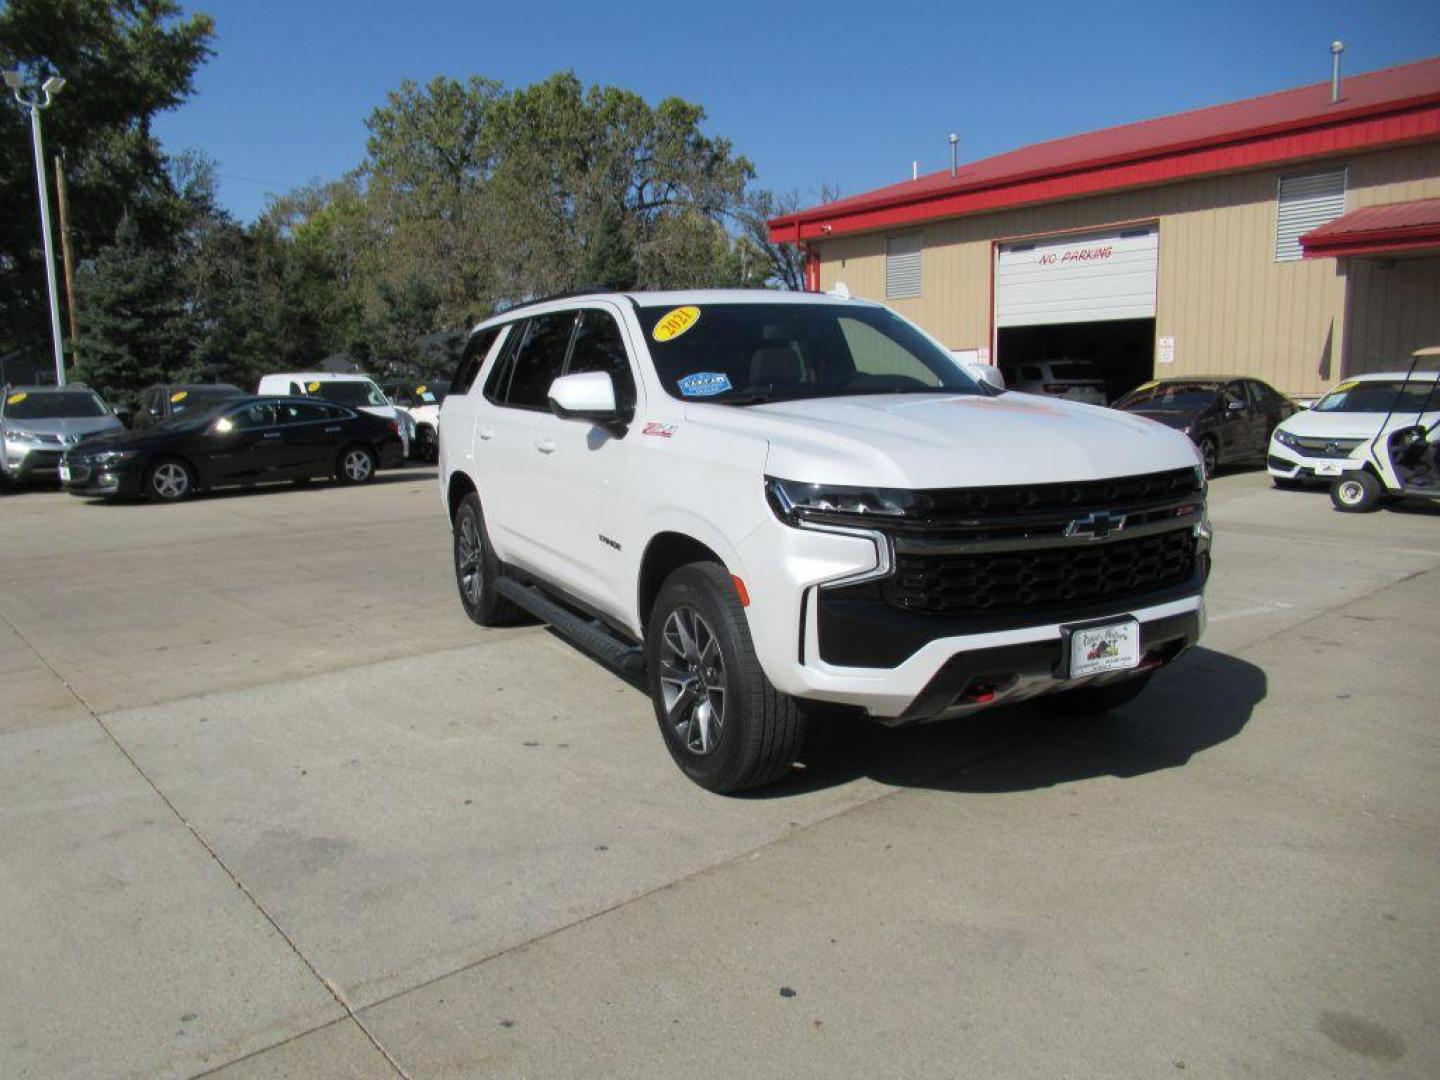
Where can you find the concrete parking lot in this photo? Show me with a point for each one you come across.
(271, 806)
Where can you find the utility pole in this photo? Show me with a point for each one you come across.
(34, 102)
(62, 193)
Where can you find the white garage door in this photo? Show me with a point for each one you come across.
(1091, 277)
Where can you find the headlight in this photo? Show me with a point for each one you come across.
(22, 438)
(1284, 438)
(795, 501)
(107, 458)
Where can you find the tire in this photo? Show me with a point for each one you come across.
(700, 660)
(1093, 700)
(1209, 454)
(169, 480)
(356, 465)
(477, 569)
(1357, 493)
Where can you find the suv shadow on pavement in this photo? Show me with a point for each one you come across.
(1206, 698)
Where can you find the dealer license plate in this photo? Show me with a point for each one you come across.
(1096, 649)
(64, 474)
(1328, 468)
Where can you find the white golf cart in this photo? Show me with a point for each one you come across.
(1401, 460)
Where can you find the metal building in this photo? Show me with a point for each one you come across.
(1292, 237)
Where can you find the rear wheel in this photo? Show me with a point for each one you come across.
(356, 465)
(724, 724)
(477, 569)
(1092, 700)
(1357, 493)
(169, 480)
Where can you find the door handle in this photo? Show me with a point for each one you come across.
(331, 430)
(272, 434)
(486, 434)
(545, 446)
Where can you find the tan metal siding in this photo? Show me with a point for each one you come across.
(1229, 305)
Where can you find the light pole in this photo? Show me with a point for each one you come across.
(35, 102)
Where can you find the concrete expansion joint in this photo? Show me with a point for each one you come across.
(334, 991)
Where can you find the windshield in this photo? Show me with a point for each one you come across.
(748, 354)
(348, 391)
(1379, 397)
(53, 405)
(1075, 370)
(1170, 396)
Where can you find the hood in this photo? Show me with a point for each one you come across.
(1173, 418)
(70, 430)
(1338, 425)
(122, 439)
(935, 441)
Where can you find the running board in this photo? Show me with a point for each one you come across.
(590, 634)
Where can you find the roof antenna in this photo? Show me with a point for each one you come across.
(1336, 48)
(954, 150)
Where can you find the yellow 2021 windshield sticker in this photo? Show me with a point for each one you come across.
(312, 387)
(15, 399)
(179, 396)
(674, 323)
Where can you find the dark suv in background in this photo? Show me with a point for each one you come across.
(167, 400)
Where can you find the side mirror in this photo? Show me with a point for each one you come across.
(589, 395)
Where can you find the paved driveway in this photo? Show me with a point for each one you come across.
(270, 805)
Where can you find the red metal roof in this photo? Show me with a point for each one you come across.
(1394, 105)
(1375, 230)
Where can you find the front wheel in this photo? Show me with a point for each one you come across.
(1357, 493)
(356, 465)
(169, 480)
(724, 724)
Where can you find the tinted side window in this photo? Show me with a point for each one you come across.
(498, 384)
(540, 359)
(255, 415)
(304, 412)
(599, 347)
(1234, 392)
(475, 352)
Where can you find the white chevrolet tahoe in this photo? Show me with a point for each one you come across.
(763, 500)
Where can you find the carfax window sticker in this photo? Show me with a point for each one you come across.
(674, 323)
(704, 384)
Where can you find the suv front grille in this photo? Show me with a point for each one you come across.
(1057, 577)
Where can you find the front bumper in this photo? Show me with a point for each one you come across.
(954, 670)
(24, 463)
(87, 480)
(1284, 463)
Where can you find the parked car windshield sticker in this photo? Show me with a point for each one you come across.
(1344, 386)
(704, 384)
(179, 396)
(15, 399)
(421, 389)
(312, 387)
(674, 323)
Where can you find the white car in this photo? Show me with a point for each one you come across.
(421, 401)
(767, 499)
(355, 390)
(1330, 438)
(1069, 380)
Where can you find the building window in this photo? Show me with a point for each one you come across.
(1306, 203)
(902, 267)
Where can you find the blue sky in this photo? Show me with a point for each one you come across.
(845, 92)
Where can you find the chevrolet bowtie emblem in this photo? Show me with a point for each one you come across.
(1096, 526)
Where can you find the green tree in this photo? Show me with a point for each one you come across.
(125, 61)
(134, 327)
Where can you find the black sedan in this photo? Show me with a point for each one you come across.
(1230, 419)
(253, 440)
